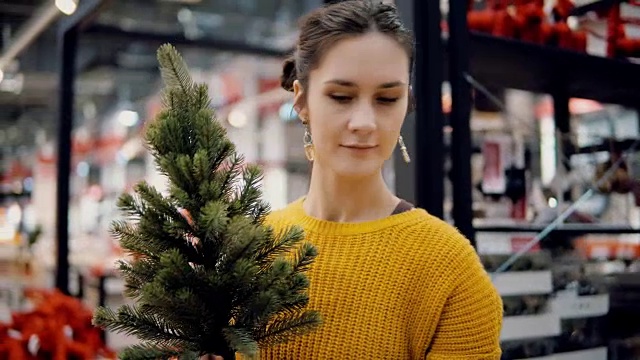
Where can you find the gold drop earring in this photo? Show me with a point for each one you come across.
(307, 141)
(403, 150)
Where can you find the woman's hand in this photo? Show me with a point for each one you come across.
(211, 357)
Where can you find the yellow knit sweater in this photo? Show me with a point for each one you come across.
(405, 287)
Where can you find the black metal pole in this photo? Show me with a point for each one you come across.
(562, 118)
(429, 149)
(68, 33)
(405, 174)
(422, 180)
(458, 46)
(68, 42)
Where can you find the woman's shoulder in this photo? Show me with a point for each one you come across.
(430, 230)
(445, 254)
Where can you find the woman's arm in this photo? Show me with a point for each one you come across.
(471, 320)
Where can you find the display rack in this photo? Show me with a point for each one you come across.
(565, 229)
(469, 56)
(549, 311)
(540, 69)
(496, 62)
(515, 64)
(527, 283)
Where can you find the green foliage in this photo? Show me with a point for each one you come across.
(217, 280)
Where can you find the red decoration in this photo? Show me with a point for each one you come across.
(618, 44)
(526, 20)
(564, 36)
(529, 19)
(58, 328)
(484, 20)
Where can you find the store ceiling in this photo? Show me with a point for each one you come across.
(109, 67)
(15, 12)
(251, 21)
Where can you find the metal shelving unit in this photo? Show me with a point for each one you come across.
(502, 63)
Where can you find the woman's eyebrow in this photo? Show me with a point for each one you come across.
(341, 82)
(347, 83)
(392, 84)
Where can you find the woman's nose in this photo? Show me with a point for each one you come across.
(362, 118)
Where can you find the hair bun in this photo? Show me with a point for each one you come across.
(289, 74)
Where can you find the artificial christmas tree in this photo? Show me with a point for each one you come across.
(207, 275)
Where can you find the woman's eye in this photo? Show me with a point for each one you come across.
(387, 100)
(340, 98)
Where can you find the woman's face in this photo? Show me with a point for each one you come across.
(355, 102)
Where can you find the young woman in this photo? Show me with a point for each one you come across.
(391, 281)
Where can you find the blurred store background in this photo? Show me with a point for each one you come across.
(541, 161)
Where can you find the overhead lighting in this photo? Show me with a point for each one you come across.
(67, 7)
(12, 84)
(128, 117)
(126, 113)
(237, 118)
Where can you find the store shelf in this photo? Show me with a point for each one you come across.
(530, 327)
(568, 229)
(599, 5)
(503, 243)
(622, 145)
(523, 282)
(599, 353)
(509, 63)
(568, 305)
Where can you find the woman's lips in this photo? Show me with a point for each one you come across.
(359, 149)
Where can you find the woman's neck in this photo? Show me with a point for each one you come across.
(335, 198)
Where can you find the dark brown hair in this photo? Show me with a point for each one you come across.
(331, 23)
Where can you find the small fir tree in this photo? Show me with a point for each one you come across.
(207, 276)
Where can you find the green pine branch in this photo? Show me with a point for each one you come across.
(215, 280)
(134, 321)
(146, 351)
(282, 329)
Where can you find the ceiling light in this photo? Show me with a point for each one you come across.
(67, 7)
(12, 84)
(128, 117)
(237, 118)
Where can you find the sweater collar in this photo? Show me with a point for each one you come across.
(298, 216)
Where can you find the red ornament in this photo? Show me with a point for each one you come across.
(58, 328)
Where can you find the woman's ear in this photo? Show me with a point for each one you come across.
(297, 88)
(299, 100)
